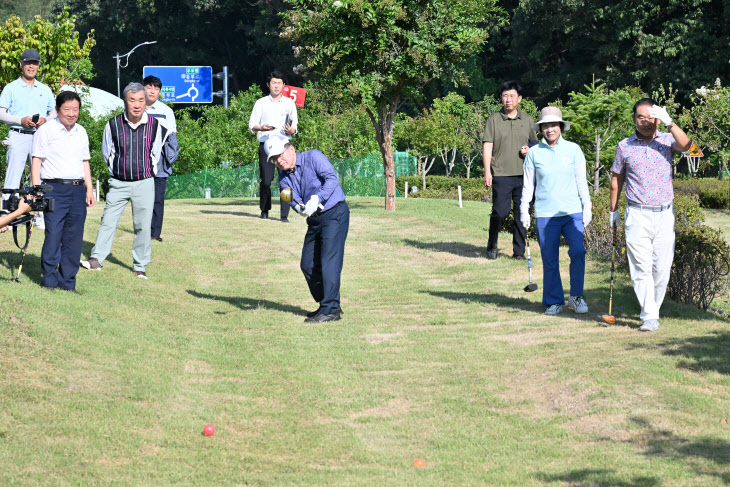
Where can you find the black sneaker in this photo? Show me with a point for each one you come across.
(264, 215)
(519, 257)
(491, 254)
(284, 219)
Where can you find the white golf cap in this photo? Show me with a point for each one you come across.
(275, 146)
(551, 114)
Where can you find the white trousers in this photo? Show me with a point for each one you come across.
(19, 148)
(650, 249)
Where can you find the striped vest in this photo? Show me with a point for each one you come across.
(133, 147)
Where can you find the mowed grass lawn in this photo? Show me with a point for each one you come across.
(440, 356)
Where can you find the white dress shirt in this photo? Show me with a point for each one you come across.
(163, 114)
(266, 111)
(62, 151)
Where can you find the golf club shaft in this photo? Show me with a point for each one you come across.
(613, 266)
(529, 262)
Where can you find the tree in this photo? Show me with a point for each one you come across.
(555, 47)
(386, 51)
(708, 121)
(62, 57)
(599, 119)
(240, 35)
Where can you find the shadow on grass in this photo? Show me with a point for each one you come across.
(9, 262)
(86, 253)
(249, 304)
(702, 353)
(237, 213)
(599, 477)
(523, 304)
(217, 202)
(664, 443)
(457, 248)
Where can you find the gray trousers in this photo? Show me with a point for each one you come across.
(19, 147)
(142, 195)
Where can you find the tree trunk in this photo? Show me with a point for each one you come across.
(383, 125)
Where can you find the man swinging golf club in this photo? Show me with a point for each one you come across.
(313, 181)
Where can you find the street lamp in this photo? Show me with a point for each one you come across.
(118, 58)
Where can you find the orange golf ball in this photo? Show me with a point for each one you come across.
(418, 462)
(209, 430)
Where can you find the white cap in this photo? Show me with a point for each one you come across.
(275, 146)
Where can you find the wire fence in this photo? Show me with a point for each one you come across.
(359, 176)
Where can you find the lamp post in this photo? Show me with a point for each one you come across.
(118, 58)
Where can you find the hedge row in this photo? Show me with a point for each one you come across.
(712, 192)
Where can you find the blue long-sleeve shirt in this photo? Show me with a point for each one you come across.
(313, 174)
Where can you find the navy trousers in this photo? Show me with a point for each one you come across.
(323, 253)
(266, 173)
(506, 196)
(158, 210)
(61, 252)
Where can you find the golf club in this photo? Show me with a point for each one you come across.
(609, 318)
(286, 197)
(530, 287)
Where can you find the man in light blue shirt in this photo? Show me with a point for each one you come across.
(24, 105)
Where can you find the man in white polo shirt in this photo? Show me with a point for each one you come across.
(273, 116)
(61, 159)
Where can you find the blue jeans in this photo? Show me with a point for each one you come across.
(549, 230)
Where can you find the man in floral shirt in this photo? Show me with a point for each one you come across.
(644, 162)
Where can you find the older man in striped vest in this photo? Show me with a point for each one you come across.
(131, 147)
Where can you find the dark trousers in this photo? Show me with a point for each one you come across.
(266, 175)
(506, 196)
(61, 252)
(322, 255)
(158, 210)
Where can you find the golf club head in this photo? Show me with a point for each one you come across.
(610, 319)
(532, 287)
(286, 195)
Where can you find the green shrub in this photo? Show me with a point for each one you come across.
(701, 265)
(445, 188)
(712, 193)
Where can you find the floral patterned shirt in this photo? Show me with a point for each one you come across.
(647, 166)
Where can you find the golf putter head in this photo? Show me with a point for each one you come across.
(610, 319)
(531, 288)
(285, 195)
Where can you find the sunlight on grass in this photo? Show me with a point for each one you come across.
(440, 355)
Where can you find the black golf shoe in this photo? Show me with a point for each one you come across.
(321, 317)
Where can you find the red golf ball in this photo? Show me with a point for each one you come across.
(209, 430)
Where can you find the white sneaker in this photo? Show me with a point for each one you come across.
(554, 309)
(578, 304)
(649, 325)
(38, 221)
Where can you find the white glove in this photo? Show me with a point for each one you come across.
(661, 113)
(587, 215)
(312, 205)
(525, 220)
(613, 219)
(299, 209)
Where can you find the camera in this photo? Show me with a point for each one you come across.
(38, 202)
